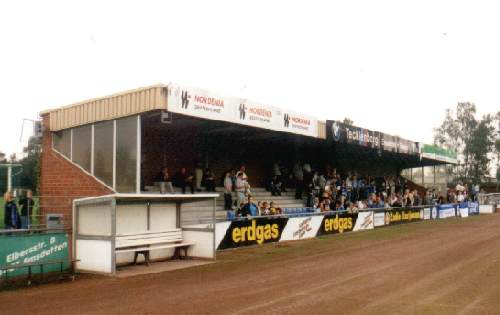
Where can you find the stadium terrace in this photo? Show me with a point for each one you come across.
(156, 160)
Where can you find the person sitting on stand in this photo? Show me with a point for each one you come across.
(274, 209)
(250, 208)
(164, 179)
(209, 180)
(183, 179)
(275, 186)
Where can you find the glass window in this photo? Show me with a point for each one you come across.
(416, 175)
(62, 142)
(82, 146)
(103, 152)
(126, 154)
(429, 175)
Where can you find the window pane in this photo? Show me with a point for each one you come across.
(103, 152)
(62, 142)
(429, 175)
(416, 175)
(82, 142)
(126, 154)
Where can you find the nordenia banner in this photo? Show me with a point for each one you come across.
(205, 104)
(33, 248)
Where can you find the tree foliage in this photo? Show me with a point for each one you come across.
(473, 139)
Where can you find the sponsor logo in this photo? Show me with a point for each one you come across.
(367, 223)
(185, 97)
(243, 111)
(286, 120)
(401, 216)
(254, 232)
(337, 224)
(434, 213)
(304, 226)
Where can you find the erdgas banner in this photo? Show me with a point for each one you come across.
(205, 104)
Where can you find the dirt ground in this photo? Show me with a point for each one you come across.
(434, 267)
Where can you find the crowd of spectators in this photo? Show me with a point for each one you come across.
(324, 190)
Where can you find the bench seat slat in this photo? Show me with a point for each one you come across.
(149, 232)
(143, 242)
(153, 247)
(177, 235)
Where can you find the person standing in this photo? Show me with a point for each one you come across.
(26, 207)
(228, 190)
(240, 188)
(165, 180)
(11, 218)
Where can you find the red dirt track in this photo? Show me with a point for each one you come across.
(447, 267)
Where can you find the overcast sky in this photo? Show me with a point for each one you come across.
(392, 66)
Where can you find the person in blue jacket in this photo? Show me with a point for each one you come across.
(11, 219)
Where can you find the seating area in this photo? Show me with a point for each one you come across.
(192, 210)
(143, 243)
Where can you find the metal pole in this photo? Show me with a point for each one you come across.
(9, 178)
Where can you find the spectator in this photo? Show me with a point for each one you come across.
(184, 179)
(198, 176)
(240, 188)
(338, 206)
(209, 180)
(11, 215)
(316, 205)
(242, 171)
(228, 190)
(26, 206)
(275, 186)
(249, 209)
(298, 175)
(274, 209)
(165, 180)
(265, 209)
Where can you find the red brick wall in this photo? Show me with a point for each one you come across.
(61, 181)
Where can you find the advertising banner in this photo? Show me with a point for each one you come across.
(301, 228)
(473, 207)
(201, 103)
(297, 123)
(32, 248)
(402, 216)
(205, 104)
(446, 211)
(463, 211)
(346, 222)
(487, 209)
(379, 219)
(253, 232)
(427, 213)
(340, 132)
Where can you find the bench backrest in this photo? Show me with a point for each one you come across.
(148, 238)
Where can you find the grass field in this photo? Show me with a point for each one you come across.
(431, 267)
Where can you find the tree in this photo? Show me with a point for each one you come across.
(348, 121)
(472, 139)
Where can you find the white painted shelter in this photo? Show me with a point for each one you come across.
(108, 230)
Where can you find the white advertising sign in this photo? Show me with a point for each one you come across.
(300, 124)
(200, 103)
(205, 104)
(379, 219)
(488, 209)
(446, 213)
(427, 213)
(301, 228)
(258, 115)
(364, 221)
(464, 212)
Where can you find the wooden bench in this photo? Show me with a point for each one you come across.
(143, 243)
